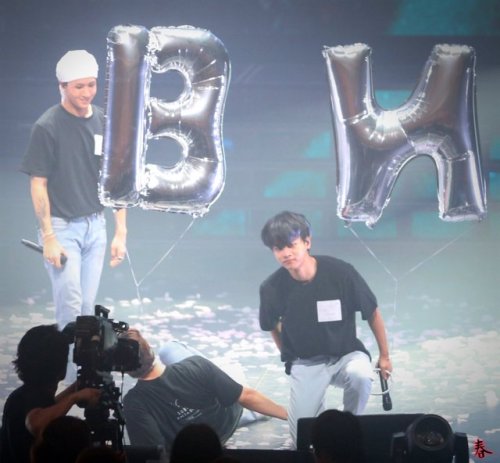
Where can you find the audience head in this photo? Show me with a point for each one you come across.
(101, 454)
(61, 441)
(195, 443)
(336, 437)
(146, 353)
(226, 459)
(42, 356)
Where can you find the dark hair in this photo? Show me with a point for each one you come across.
(100, 454)
(146, 353)
(285, 227)
(226, 459)
(62, 440)
(337, 435)
(195, 443)
(42, 356)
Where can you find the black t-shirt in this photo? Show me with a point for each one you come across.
(318, 317)
(193, 390)
(66, 150)
(15, 439)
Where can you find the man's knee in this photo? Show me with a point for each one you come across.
(359, 372)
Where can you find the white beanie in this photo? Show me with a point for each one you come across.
(76, 64)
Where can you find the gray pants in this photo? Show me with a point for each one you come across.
(310, 378)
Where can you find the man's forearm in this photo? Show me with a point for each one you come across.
(276, 335)
(41, 204)
(258, 402)
(121, 222)
(38, 418)
(378, 328)
(118, 244)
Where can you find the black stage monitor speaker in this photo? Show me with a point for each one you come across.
(145, 454)
(377, 433)
(269, 456)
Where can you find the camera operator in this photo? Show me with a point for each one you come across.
(42, 356)
(193, 390)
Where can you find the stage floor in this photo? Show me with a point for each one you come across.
(453, 373)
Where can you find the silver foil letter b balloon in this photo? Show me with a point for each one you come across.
(373, 145)
(194, 120)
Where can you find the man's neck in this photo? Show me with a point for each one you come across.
(306, 272)
(156, 372)
(86, 112)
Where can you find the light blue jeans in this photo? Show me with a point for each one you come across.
(175, 351)
(75, 285)
(310, 378)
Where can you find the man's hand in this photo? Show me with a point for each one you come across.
(52, 251)
(385, 365)
(87, 397)
(258, 402)
(39, 417)
(118, 245)
(377, 326)
(118, 250)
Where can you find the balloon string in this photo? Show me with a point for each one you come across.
(417, 266)
(395, 279)
(386, 269)
(434, 254)
(155, 266)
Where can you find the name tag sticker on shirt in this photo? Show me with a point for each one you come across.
(98, 144)
(329, 311)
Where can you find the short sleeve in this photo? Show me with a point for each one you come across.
(225, 388)
(39, 157)
(268, 308)
(362, 297)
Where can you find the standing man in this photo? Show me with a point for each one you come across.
(63, 160)
(309, 307)
(193, 390)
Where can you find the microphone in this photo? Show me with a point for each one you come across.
(386, 398)
(36, 247)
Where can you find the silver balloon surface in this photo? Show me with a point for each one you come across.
(373, 145)
(127, 85)
(194, 119)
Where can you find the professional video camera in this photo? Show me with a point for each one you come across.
(98, 351)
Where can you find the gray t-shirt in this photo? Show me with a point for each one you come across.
(193, 390)
(318, 317)
(66, 150)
